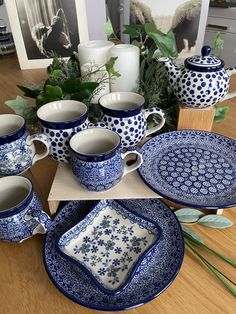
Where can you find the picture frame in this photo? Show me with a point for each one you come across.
(43, 29)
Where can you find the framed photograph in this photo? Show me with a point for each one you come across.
(43, 29)
(186, 18)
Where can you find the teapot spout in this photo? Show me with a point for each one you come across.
(172, 69)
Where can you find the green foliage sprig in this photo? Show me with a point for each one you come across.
(64, 81)
(154, 83)
(195, 244)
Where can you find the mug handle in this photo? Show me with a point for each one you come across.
(136, 165)
(147, 113)
(44, 221)
(41, 138)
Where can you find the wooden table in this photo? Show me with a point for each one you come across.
(24, 284)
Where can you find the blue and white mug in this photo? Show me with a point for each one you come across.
(21, 214)
(124, 113)
(96, 158)
(60, 120)
(17, 149)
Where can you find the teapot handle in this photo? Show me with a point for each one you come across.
(230, 71)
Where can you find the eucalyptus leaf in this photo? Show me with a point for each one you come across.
(109, 28)
(220, 113)
(165, 42)
(192, 234)
(188, 214)
(20, 106)
(215, 221)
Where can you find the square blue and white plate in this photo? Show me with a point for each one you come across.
(110, 243)
(156, 272)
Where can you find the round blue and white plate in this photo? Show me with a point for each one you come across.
(193, 168)
(156, 272)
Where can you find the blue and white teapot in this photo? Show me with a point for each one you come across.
(203, 81)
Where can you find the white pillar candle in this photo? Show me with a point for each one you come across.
(127, 65)
(94, 51)
(98, 76)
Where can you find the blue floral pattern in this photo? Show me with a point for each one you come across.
(16, 157)
(24, 224)
(194, 168)
(109, 243)
(156, 272)
(98, 176)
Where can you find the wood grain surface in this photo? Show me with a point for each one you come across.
(24, 285)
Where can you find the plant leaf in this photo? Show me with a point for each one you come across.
(165, 42)
(109, 28)
(218, 43)
(56, 73)
(192, 234)
(28, 92)
(110, 67)
(20, 106)
(50, 93)
(215, 221)
(220, 113)
(134, 30)
(188, 214)
(84, 91)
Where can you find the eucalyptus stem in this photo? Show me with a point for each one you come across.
(219, 275)
(204, 246)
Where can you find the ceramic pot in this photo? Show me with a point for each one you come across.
(17, 149)
(21, 214)
(203, 81)
(97, 160)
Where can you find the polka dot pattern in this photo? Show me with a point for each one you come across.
(198, 89)
(131, 129)
(60, 141)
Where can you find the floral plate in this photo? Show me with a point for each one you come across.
(109, 244)
(194, 168)
(156, 272)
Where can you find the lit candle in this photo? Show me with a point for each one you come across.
(94, 51)
(127, 64)
(94, 73)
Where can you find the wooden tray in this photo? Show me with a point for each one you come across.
(66, 188)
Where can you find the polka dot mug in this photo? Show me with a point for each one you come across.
(60, 120)
(124, 113)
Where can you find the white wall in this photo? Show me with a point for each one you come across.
(4, 16)
(96, 15)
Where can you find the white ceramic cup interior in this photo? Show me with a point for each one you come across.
(94, 141)
(62, 111)
(13, 190)
(122, 101)
(10, 123)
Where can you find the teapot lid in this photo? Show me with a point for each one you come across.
(205, 62)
